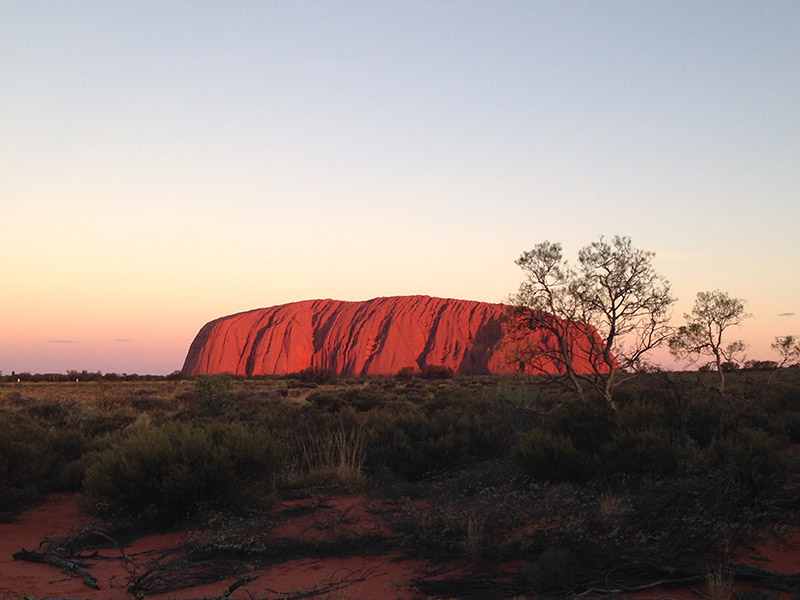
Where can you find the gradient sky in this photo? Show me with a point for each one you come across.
(166, 163)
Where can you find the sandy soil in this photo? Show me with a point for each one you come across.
(357, 578)
(778, 552)
(352, 578)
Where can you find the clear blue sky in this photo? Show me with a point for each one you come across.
(166, 163)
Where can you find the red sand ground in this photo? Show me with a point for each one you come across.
(777, 552)
(383, 577)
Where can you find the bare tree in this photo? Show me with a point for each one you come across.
(702, 335)
(612, 310)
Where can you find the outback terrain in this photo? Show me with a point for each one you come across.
(412, 486)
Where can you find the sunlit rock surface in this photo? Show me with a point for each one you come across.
(374, 337)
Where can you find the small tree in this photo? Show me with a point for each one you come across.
(703, 333)
(788, 349)
(613, 308)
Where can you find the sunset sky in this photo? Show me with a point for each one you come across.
(166, 163)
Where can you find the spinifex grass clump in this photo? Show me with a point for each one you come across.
(332, 457)
(719, 585)
(161, 475)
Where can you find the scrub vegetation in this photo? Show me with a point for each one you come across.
(534, 489)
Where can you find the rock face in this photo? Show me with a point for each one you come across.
(375, 337)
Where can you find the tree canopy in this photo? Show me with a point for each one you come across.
(703, 333)
(614, 301)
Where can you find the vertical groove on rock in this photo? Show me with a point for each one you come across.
(423, 356)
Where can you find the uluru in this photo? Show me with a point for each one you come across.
(374, 337)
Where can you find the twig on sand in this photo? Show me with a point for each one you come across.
(333, 585)
(119, 546)
(79, 568)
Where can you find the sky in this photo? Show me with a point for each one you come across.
(163, 164)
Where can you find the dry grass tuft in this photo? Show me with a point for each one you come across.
(335, 458)
(719, 585)
(610, 508)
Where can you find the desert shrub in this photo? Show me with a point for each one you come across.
(406, 373)
(791, 424)
(751, 456)
(159, 475)
(453, 523)
(68, 447)
(51, 413)
(769, 407)
(435, 372)
(419, 441)
(94, 422)
(314, 375)
(513, 394)
(143, 401)
(648, 412)
(415, 393)
(360, 398)
(550, 456)
(212, 396)
(26, 459)
(412, 446)
(640, 451)
(588, 423)
(704, 419)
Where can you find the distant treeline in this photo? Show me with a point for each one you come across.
(311, 374)
(85, 376)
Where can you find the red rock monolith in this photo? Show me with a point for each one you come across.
(374, 337)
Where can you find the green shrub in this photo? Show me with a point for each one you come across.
(791, 425)
(406, 373)
(412, 445)
(640, 451)
(553, 457)
(441, 435)
(50, 413)
(361, 398)
(704, 419)
(213, 396)
(588, 423)
(315, 375)
(164, 474)
(26, 460)
(435, 372)
(752, 456)
(93, 422)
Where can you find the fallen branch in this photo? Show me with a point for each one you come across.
(120, 547)
(333, 585)
(179, 573)
(71, 566)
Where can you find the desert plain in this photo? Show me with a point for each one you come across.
(413, 486)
